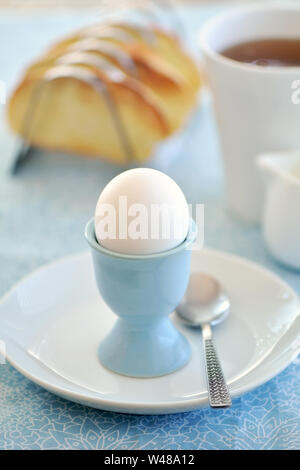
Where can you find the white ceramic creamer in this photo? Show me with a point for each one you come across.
(281, 213)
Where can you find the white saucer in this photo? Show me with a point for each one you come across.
(52, 322)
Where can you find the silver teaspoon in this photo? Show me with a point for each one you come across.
(204, 305)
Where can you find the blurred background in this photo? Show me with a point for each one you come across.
(82, 3)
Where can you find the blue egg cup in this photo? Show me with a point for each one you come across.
(142, 290)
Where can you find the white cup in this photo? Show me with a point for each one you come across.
(256, 107)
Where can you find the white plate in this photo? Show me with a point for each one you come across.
(53, 320)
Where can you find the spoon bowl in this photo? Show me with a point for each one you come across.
(204, 302)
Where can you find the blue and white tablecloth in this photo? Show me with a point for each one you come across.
(42, 214)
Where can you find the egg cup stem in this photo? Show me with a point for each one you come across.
(144, 350)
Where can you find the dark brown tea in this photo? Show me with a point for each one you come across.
(266, 52)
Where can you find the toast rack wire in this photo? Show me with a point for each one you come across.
(149, 8)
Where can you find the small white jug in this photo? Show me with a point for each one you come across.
(281, 214)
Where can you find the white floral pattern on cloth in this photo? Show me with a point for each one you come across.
(32, 418)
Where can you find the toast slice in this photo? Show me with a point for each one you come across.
(146, 87)
(75, 112)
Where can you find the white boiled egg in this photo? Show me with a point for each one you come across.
(141, 212)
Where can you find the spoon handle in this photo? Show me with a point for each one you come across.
(218, 393)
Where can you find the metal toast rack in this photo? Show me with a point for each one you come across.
(94, 38)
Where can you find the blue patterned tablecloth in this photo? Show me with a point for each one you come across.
(42, 214)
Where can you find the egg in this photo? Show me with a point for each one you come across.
(141, 212)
